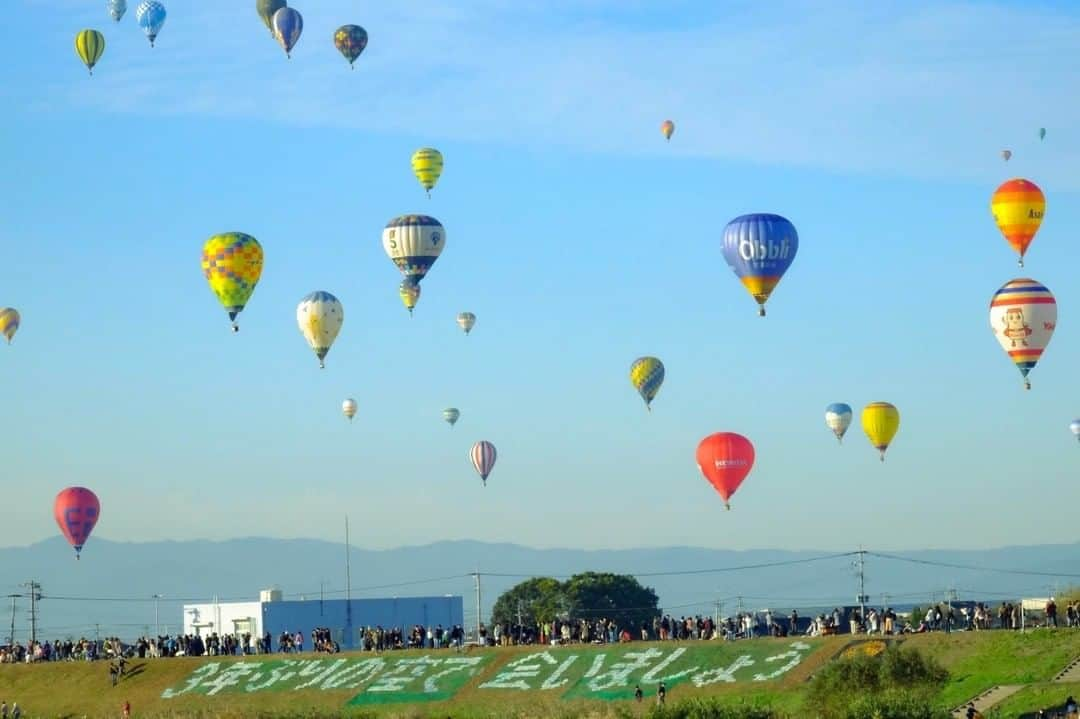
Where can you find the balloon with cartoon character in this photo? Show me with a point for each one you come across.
(1023, 316)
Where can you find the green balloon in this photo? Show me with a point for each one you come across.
(266, 10)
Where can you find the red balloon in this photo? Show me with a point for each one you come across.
(725, 458)
(76, 511)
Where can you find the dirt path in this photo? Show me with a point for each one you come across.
(989, 698)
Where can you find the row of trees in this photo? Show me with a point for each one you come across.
(592, 595)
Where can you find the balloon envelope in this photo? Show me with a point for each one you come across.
(116, 9)
(76, 511)
(1006, 154)
(287, 25)
(320, 316)
(880, 421)
(1074, 427)
(427, 165)
(451, 415)
(348, 408)
(838, 418)
(1018, 207)
(483, 458)
(466, 321)
(760, 248)
(9, 322)
(151, 17)
(647, 374)
(232, 263)
(668, 129)
(89, 46)
(725, 459)
(1023, 315)
(414, 242)
(350, 40)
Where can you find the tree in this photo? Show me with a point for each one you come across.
(619, 597)
(538, 600)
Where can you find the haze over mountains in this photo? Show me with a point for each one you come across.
(112, 587)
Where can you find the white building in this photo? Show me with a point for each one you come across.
(236, 618)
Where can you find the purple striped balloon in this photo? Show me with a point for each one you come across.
(483, 458)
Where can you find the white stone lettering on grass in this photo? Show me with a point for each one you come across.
(619, 673)
(554, 682)
(319, 671)
(597, 665)
(517, 672)
(277, 674)
(652, 676)
(229, 677)
(794, 657)
(203, 672)
(355, 674)
(720, 674)
(407, 670)
(453, 665)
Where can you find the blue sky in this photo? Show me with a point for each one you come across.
(579, 238)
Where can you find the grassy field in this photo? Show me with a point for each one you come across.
(519, 681)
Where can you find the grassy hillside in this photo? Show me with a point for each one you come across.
(522, 681)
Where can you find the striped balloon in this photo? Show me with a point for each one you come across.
(414, 242)
(288, 24)
(116, 9)
(483, 458)
(647, 374)
(427, 165)
(451, 415)
(1023, 315)
(1018, 207)
(89, 46)
(9, 322)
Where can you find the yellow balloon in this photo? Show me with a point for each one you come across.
(232, 263)
(90, 45)
(9, 322)
(427, 165)
(880, 421)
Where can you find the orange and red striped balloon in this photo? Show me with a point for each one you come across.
(1018, 207)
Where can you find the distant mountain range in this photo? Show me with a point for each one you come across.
(111, 589)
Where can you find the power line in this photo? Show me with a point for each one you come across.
(968, 567)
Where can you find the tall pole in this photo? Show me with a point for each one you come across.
(34, 596)
(157, 616)
(348, 589)
(862, 584)
(11, 637)
(479, 620)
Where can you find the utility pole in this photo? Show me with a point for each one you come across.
(157, 620)
(862, 583)
(479, 620)
(11, 637)
(348, 589)
(34, 597)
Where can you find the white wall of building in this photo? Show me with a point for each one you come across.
(223, 618)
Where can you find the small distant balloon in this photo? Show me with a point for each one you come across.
(1006, 155)
(668, 128)
(760, 248)
(483, 458)
(409, 291)
(1018, 207)
(320, 316)
(76, 510)
(9, 322)
(466, 321)
(725, 459)
(1074, 427)
(880, 421)
(350, 40)
(1023, 316)
(150, 14)
(451, 415)
(427, 165)
(838, 419)
(288, 24)
(1042, 133)
(116, 9)
(647, 375)
(266, 10)
(89, 46)
(348, 408)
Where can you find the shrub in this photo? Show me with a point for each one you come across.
(903, 677)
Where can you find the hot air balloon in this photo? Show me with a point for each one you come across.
(880, 421)
(232, 263)
(1018, 207)
(760, 248)
(9, 322)
(1023, 315)
(838, 419)
(409, 290)
(116, 9)
(89, 46)
(287, 25)
(483, 458)
(1042, 133)
(466, 321)
(266, 10)
(350, 40)
(668, 128)
(427, 165)
(647, 374)
(1074, 427)
(76, 510)
(451, 414)
(320, 316)
(151, 17)
(414, 242)
(725, 458)
(348, 408)
(1006, 154)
